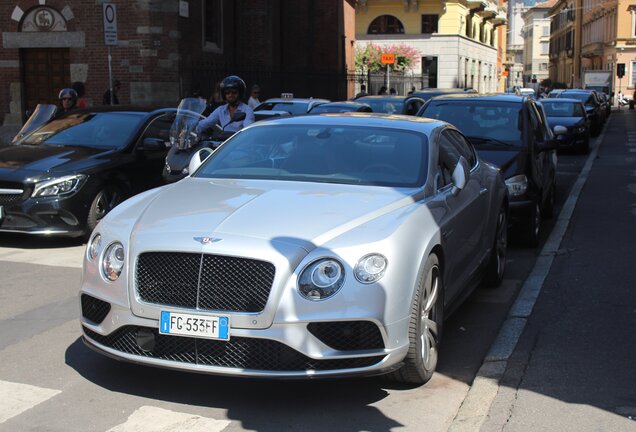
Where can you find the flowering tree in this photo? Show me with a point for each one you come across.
(369, 57)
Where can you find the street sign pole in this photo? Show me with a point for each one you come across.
(109, 12)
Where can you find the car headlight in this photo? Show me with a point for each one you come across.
(321, 279)
(58, 186)
(94, 247)
(370, 268)
(113, 261)
(517, 185)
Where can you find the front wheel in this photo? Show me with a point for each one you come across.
(497, 262)
(532, 230)
(425, 327)
(105, 200)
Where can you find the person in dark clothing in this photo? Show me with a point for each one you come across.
(79, 87)
(382, 90)
(106, 100)
(68, 101)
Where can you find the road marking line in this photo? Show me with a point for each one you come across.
(153, 419)
(473, 411)
(17, 398)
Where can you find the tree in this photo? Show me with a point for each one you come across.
(368, 57)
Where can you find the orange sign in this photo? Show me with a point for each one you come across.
(388, 58)
(504, 73)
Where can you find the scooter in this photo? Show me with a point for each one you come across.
(185, 140)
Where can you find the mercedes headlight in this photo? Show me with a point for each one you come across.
(321, 279)
(370, 268)
(94, 247)
(517, 185)
(58, 186)
(113, 261)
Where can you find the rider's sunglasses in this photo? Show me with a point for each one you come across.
(68, 99)
(231, 92)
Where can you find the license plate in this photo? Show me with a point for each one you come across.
(202, 326)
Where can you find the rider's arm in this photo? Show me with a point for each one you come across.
(210, 121)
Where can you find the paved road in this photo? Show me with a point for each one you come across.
(50, 382)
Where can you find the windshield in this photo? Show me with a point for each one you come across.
(188, 115)
(563, 109)
(327, 154)
(106, 130)
(586, 98)
(42, 114)
(294, 108)
(384, 106)
(499, 121)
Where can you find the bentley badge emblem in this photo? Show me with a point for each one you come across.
(207, 240)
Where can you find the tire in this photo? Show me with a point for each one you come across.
(532, 231)
(425, 327)
(105, 200)
(548, 207)
(497, 262)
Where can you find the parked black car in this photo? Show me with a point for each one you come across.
(408, 105)
(595, 109)
(510, 132)
(65, 176)
(571, 114)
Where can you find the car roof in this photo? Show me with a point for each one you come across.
(495, 97)
(398, 121)
(295, 100)
(346, 104)
(560, 100)
(396, 98)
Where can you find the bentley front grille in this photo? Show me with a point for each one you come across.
(203, 281)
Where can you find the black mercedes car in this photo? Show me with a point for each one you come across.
(512, 133)
(65, 176)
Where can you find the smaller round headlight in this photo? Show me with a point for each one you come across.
(94, 247)
(113, 261)
(370, 268)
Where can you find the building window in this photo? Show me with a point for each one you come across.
(546, 31)
(212, 25)
(429, 23)
(633, 13)
(545, 47)
(632, 75)
(386, 24)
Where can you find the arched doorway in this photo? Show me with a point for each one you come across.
(45, 71)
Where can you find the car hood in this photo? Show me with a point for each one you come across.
(565, 121)
(18, 162)
(303, 214)
(510, 162)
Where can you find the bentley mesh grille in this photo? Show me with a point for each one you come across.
(242, 353)
(94, 309)
(208, 282)
(348, 335)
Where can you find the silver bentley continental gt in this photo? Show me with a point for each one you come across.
(316, 246)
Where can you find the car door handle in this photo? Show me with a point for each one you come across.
(483, 191)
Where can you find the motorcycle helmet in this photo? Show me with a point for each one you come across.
(233, 82)
(68, 92)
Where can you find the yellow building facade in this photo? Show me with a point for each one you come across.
(458, 40)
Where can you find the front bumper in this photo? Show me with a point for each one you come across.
(283, 350)
(573, 140)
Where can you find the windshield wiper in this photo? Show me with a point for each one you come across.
(482, 140)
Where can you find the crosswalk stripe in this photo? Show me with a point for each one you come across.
(17, 398)
(153, 419)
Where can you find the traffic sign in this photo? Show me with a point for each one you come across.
(388, 58)
(110, 23)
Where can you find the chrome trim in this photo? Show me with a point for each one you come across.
(11, 191)
(39, 232)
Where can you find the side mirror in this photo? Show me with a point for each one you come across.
(152, 144)
(238, 116)
(198, 158)
(460, 175)
(560, 130)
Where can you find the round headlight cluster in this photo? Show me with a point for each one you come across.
(370, 268)
(113, 261)
(94, 247)
(321, 279)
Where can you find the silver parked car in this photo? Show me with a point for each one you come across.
(302, 247)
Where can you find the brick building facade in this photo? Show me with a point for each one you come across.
(168, 48)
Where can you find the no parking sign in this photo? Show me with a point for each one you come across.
(110, 23)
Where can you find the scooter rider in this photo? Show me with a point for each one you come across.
(68, 101)
(232, 89)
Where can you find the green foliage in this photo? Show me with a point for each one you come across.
(369, 56)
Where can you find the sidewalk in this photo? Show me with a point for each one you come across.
(574, 367)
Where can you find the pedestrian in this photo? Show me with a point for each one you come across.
(412, 90)
(254, 100)
(68, 101)
(233, 89)
(393, 92)
(80, 89)
(110, 98)
(362, 92)
(382, 90)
